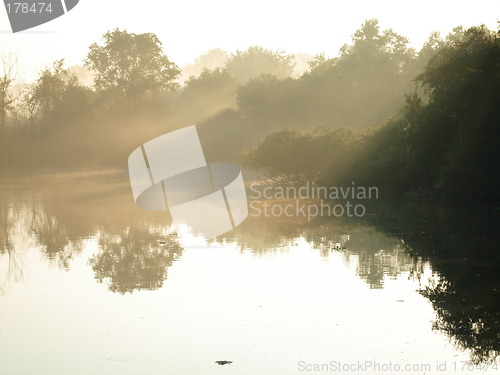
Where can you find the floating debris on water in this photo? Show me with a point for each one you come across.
(222, 363)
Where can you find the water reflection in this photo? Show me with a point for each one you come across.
(134, 254)
(135, 259)
(57, 235)
(462, 246)
(14, 228)
(134, 250)
(468, 314)
(381, 256)
(375, 255)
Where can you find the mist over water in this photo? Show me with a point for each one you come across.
(397, 145)
(131, 293)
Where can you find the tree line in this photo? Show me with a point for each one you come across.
(379, 113)
(442, 144)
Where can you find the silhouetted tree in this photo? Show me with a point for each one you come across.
(129, 66)
(57, 98)
(443, 146)
(452, 141)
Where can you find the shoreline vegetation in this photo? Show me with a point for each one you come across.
(420, 125)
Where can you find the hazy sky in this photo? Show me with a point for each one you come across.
(188, 28)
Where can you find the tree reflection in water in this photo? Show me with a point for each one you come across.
(135, 259)
(460, 246)
(377, 255)
(63, 212)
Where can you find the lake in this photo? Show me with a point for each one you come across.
(91, 284)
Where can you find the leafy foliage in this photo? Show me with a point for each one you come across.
(446, 148)
(251, 63)
(129, 66)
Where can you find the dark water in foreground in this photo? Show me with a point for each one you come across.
(90, 284)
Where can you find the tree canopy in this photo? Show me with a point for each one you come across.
(129, 65)
(441, 147)
(254, 61)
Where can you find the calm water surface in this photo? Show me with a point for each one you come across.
(89, 284)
